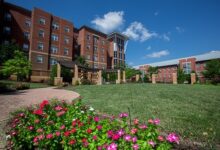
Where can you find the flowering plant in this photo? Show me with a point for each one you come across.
(59, 125)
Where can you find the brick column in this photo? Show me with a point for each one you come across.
(75, 78)
(137, 77)
(99, 82)
(118, 81)
(174, 78)
(154, 78)
(193, 78)
(124, 77)
(58, 80)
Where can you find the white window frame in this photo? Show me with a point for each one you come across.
(53, 61)
(55, 26)
(54, 37)
(53, 49)
(27, 23)
(25, 46)
(41, 33)
(40, 47)
(67, 29)
(42, 21)
(66, 51)
(66, 40)
(26, 35)
(41, 60)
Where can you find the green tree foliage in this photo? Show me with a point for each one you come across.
(181, 77)
(18, 65)
(130, 72)
(152, 70)
(82, 61)
(66, 74)
(7, 52)
(53, 74)
(212, 70)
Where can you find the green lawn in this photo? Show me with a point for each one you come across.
(191, 111)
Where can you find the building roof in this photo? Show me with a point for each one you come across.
(120, 34)
(202, 57)
(94, 30)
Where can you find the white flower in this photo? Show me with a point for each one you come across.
(74, 119)
(91, 109)
(82, 112)
(8, 137)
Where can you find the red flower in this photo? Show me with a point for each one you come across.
(94, 137)
(115, 137)
(49, 136)
(30, 128)
(89, 131)
(99, 127)
(84, 140)
(71, 142)
(62, 127)
(74, 123)
(60, 113)
(73, 130)
(57, 133)
(38, 112)
(96, 119)
(58, 108)
(80, 124)
(67, 133)
(44, 103)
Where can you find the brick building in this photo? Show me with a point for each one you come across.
(189, 64)
(47, 39)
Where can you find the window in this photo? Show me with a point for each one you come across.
(102, 59)
(66, 29)
(42, 21)
(7, 16)
(88, 57)
(7, 30)
(6, 42)
(102, 50)
(66, 40)
(88, 37)
(39, 59)
(40, 46)
(27, 23)
(120, 55)
(55, 26)
(103, 42)
(41, 33)
(95, 65)
(54, 37)
(115, 61)
(25, 46)
(115, 54)
(26, 35)
(95, 49)
(53, 61)
(96, 40)
(88, 47)
(53, 49)
(187, 67)
(95, 58)
(66, 51)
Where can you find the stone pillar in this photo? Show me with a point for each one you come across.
(174, 78)
(154, 78)
(118, 81)
(124, 77)
(58, 80)
(108, 77)
(99, 82)
(137, 77)
(193, 78)
(89, 76)
(75, 78)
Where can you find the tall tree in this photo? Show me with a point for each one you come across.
(152, 70)
(19, 66)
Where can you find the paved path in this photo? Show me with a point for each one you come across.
(12, 101)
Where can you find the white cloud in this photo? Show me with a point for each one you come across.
(179, 29)
(165, 37)
(158, 54)
(149, 48)
(109, 22)
(138, 32)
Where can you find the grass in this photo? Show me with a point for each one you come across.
(191, 111)
(32, 85)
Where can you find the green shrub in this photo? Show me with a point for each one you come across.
(21, 86)
(85, 81)
(53, 74)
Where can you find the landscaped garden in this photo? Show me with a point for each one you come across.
(191, 111)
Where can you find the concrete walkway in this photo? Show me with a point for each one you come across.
(10, 102)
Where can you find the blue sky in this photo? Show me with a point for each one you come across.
(158, 29)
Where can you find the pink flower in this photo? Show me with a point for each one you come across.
(36, 121)
(123, 115)
(13, 133)
(94, 137)
(133, 130)
(135, 147)
(156, 121)
(150, 121)
(134, 139)
(35, 140)
(71, 142)
(173, 138)
(110, 133)
(39, 130)
(31, 128)
(44, 103)
(151, 143)
(58, 108)
(112, 146)
(120, 132)
(99, 127)
(41, 137)
(115, 137)
(62, 127)
(57, 133)
(136, 121)
(49, 136)
(96, 119)
(21, 114)
(60, 113)
(67, 133)
(143, 126)
(127, 138)
(160, 138)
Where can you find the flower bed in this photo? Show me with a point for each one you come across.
(58, 125)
